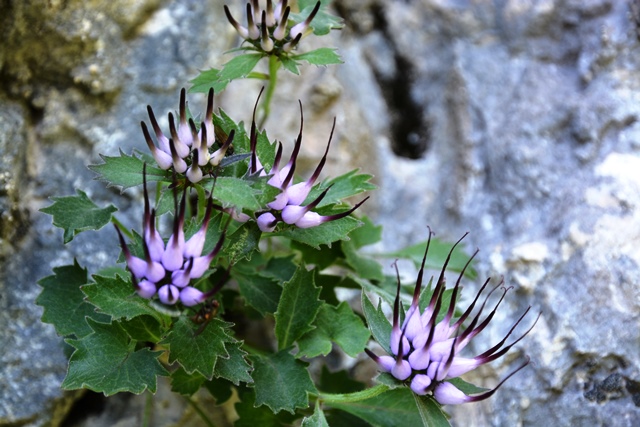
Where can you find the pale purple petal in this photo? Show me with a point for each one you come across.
(168, 294)
(146, 289)
(448, 394)
(267, 222)
(420, 383)
(292, 213)
(191, 296)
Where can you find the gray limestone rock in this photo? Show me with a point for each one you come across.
(516, 121)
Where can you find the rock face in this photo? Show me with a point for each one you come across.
(516, 121)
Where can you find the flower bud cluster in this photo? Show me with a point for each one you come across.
(168, 269)
(425, 352)
(288, 206)
(268, 29)
(189, 150)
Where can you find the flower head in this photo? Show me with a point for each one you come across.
(188, 150)
(168, 269)
(268, 29)
(289, 205)
(425, 352)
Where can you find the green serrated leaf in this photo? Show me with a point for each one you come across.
(343, 186)
(281, 382)
(75, 214)
(236, 192)
(391, 408)
(207, 80)
(239, 66)
(116, 297)
(290, 64)
(259, 292)
(378, 324)
(438, 251)
(316, 420)
(126, 171)
(323, 234)
(235, 368)
(185, 383)
(338, 325)
(243, 242)
(63, 301)
(105, 361)
(431, 412)
(143, 328)
(321, 56)
(198, 352)
(297, 307)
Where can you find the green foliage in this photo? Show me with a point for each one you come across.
(282, 382)
(377, 321)
(63, 301)
(316, 420)
(323, 22)
(323, 234)
(106, 361)
(198, 351)
(126, 171)
(392, 408)
(297, 308)
(75, 214)
(321, 56)
(115, 296)
(338, 325)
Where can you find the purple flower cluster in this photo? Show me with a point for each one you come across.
(288, 206)
(425, 352)
(167, 269)
(188, 150)
(267, 28)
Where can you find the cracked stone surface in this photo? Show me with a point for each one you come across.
(518, 121)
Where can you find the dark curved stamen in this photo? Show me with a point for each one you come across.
(294, 154)
(396, 302)
(346, 213)
(490, 393)
(253, 136)
(316, 173)
(417, 290)
(487, 356)
(454, 295)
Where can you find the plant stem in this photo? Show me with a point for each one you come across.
(352, 397)
(200, 412)
(148, 408)
(274, 65)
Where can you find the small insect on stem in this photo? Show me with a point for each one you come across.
(207, 312)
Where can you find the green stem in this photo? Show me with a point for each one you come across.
(148, 408)
(274, 65)
(200, 412)
(353, 397)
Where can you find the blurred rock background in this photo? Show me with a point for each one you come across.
(515, 120)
